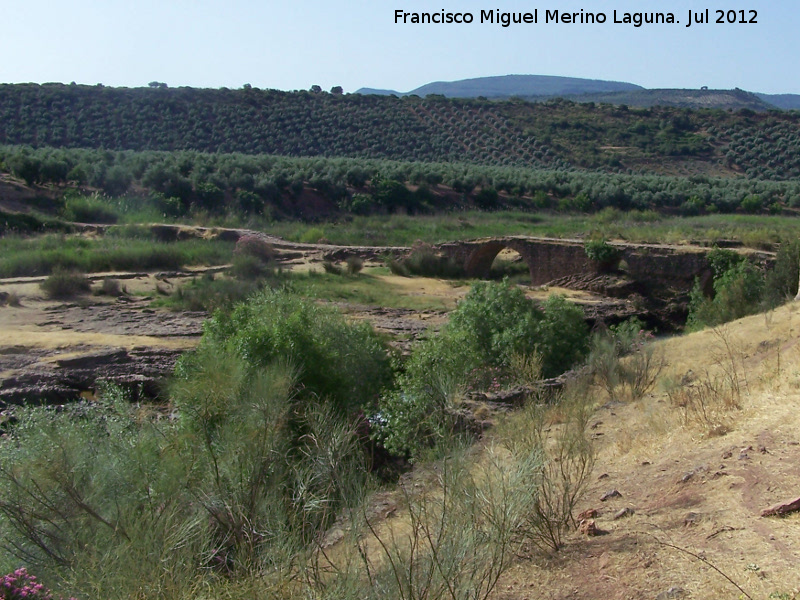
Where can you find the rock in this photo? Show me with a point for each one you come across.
(625, 512)
(687, 476)
(782, 508)
(94, 360)
(603, 476)
(673, 592)
(610, 494)
(691, 518)
(743, 453)
(727, 454)
(588, 527)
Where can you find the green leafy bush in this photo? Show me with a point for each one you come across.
(89, 209)
(782, 281)
(604, 255)
(338, 361)
(492, 327)
(738, 292)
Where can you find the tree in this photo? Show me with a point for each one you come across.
(337, 90)
(315, 89)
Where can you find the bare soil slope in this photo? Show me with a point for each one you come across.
(697, 486)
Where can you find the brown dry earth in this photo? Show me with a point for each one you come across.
(697, 496)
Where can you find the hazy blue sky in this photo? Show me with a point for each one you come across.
(292, 45)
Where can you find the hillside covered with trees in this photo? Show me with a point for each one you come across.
(558, 134)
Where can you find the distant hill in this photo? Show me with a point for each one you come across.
(538, 88)
(784, 101)
(377, 92)
(506, 86)
(725, 99)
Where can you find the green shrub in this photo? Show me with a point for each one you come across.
(738, 292)
(338, 361)
(331, 267)
(89, 209)
(65, 284)
(250, 268)
(752, 204)
(312, 235)
(722, 260)
(491, 328)
(114, 502)
(781, 284)
(208, 293)
(603, 254)
(424, 261)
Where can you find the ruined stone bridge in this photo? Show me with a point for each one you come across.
(550, 259)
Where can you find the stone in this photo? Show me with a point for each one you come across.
(782, 508)
(691, 518)
(673, 592)
(625, 512)
(610, 494)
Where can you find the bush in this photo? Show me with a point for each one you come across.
(398, 267)
(624, 358)
(89, 209)
(250, 268)
(354, 265)
(255, 246)
(738, 292)
(752, 204)
(331, 268)
(567, 459)
(108, 498)
(111, 287)
(424, 261)
(462, 533)
(208, 293)
(338, 361)
(782, 281)
(65, 284)
(492, 327)
(603, 254)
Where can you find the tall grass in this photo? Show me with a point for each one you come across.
(756, 231)
(21, 257)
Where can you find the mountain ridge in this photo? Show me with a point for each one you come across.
(505, 86)
(536, 88)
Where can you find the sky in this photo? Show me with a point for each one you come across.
(292, 45)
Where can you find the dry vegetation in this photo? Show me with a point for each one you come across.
(696, 460)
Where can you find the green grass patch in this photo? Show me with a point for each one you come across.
(21, 257)
(757, 231)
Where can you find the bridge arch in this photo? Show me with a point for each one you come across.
(479, 262)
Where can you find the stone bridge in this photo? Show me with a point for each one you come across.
(550, 259)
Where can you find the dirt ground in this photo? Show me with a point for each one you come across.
(697, 495)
